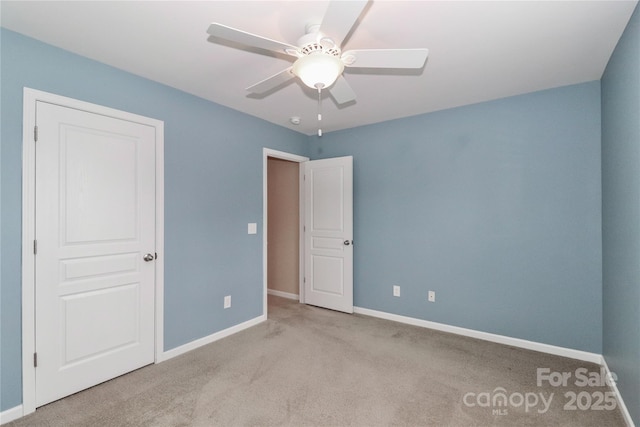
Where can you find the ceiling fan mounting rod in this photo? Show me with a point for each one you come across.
(312, 28)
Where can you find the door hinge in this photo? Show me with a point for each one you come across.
(35, 133)
(35, 247)
(156, 255)
(35, 360)
(304, 280)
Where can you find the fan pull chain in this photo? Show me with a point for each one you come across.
(319, 109)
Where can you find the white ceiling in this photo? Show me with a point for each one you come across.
(478, 50)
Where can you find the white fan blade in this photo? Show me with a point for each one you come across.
(272, 82)
(385, 58)
(341, 91)
(248, 39)
(340, 18)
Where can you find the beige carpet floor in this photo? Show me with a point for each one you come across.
(308, 366)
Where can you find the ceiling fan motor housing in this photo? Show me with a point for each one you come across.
(315, 41)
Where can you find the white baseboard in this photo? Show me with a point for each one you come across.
(17, 412)
(501, 339)
(11, 414)
(169, 354)
(623, 407)
(283, 294)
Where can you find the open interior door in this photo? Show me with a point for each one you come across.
(328, 233)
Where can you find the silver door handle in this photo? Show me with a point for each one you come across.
(148, 257)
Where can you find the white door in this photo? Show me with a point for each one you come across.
(95, 222)
(328, 278)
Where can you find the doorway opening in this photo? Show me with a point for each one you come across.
(283, 213)
(282, 225)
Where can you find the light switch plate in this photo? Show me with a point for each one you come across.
(252, 228)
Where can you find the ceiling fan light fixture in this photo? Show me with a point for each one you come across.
(318, 70)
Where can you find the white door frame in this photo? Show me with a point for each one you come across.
(30, 97)
(266, 153)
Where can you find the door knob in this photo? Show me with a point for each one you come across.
(148, 257)
(347, 242)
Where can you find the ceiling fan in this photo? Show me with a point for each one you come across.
(319, 60)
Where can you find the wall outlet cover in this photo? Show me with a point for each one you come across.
(227, 301)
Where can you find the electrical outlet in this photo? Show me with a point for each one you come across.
(396, 290)
(432, 296)
(227, 301)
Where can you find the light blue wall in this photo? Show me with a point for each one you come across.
(213, 188)
(621, 214)
(495, 206)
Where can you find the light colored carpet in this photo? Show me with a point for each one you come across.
(308, 366)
